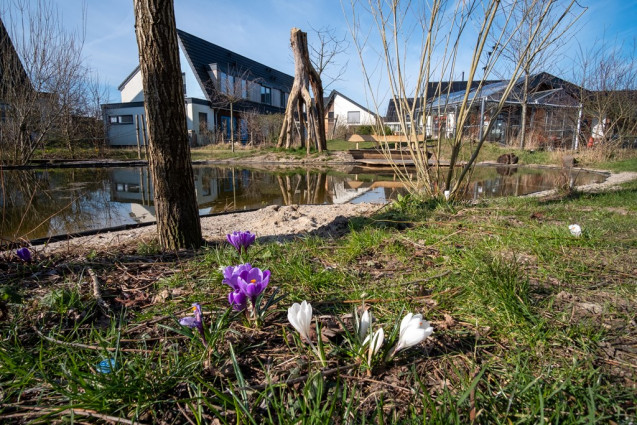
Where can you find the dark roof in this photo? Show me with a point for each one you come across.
(543, 88)
(201, 53)
(434, 89)
(332, 96)
(10, 63)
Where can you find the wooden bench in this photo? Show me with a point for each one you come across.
(397, 139)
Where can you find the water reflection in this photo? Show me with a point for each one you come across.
(39, 203)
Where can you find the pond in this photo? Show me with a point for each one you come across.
(48, 202)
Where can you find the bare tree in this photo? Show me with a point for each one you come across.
(302, 108)
(608, 73)
(44, 85)
(232, 87)
(325, 52)
(178, 222)
(531, 45)
(437, 30)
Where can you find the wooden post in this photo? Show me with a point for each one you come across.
(139, 148)
(144, 136)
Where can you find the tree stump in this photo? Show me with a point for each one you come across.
(301, 108)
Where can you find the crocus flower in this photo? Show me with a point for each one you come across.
(363, 326)
(24, 254)
(575, 229)
(413, 330)
(253, 282)
(106, 366)
(241, 240)
(231, 273)
(238, 300)
(195, 321)
(300, 316)
(447, 195)
(377, 338)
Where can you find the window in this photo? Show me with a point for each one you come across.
(284, 99)
(120, 119)
(244, 89)
(226, 83)
(183, 77)
(203, 121)
(330, 116)
(266, 95)
(353, 117)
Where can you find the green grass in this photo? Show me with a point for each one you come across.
(532, 325)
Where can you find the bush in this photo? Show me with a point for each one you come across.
(365, 130)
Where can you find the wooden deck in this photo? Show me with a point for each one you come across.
(375, 158)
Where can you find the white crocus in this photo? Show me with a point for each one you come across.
(575, 229)
(447, 195)
(363, 326)
(377, 338)
(413, 330)
(300, 316)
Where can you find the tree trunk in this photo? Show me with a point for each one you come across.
(176, 208)
(313, 119)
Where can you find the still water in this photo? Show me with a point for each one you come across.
(48, 202)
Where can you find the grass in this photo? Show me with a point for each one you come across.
(531, 325)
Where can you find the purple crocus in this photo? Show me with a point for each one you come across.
(253, 282)
(231, 273)
(195, 321)
(238, 300)
(24, 254)
(241, 240)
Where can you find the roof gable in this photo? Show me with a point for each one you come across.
(201, 53)
(328, 100)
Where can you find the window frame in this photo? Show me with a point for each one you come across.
(357, 114)
(266, 95)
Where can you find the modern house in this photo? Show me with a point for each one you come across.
(551, 115)
(340, 110)
(216, 81)
(433, 90)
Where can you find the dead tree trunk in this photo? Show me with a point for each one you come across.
(176, 208)
(301, 106)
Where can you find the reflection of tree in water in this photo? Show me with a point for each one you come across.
(308, 188)
(38, 203)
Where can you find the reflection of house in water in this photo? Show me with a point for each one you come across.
(134, 186)
(378, 191)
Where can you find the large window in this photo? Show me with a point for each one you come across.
(266, 95)
(284, 99)
(354, 117)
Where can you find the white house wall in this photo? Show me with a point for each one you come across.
(133, 90)
(342, 106)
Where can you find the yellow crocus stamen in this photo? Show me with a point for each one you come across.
(253, 281)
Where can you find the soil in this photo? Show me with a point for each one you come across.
(272, 222)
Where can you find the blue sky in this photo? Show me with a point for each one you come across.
(260, 29)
